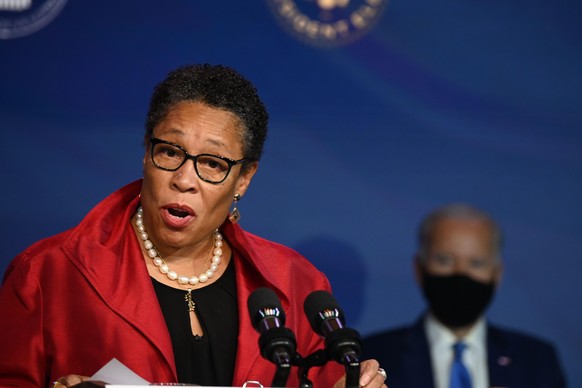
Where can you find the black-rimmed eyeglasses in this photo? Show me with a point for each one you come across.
(210, 168)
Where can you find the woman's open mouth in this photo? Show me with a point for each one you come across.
(176, 216)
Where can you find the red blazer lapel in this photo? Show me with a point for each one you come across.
(248, 278)
(120, 275)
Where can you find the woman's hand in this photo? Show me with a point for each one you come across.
(69, 381)
(371, 376)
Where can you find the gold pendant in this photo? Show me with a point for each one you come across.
(189, 301)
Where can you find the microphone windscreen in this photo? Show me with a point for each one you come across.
(261, 299)
(315, 306)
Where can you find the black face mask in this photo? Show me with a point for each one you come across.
(457, 300)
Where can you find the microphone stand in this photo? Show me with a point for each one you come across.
(317, 358)
(344, 346)
(283, 369)
(277, 345)
(352, 374)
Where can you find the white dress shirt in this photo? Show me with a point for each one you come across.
(441, 341)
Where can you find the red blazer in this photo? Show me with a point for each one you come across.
(72, 302)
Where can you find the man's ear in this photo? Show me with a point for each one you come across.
(418, 270)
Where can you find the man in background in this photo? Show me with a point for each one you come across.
(458, 266)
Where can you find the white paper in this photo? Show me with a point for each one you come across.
(117, 375)
(114, 372)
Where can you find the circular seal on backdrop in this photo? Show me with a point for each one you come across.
(328, 22)
(19, 18)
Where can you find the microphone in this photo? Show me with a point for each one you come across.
(277, 343)
(342, 344)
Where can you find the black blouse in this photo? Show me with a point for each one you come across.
(208, 359)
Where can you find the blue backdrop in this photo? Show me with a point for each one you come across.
(430, 102)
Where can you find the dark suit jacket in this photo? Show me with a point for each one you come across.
(515, 360)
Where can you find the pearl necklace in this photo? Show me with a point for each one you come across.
(165, 269)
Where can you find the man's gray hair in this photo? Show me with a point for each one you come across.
(461, 211)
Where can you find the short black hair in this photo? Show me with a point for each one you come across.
(219, 87)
